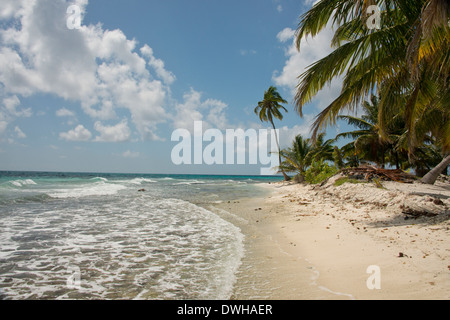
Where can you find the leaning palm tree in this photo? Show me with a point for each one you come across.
(406, 59)
(432, 176)
(268, 109)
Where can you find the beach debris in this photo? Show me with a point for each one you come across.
(438, 202)
(413, 213)
(141, 190)
(370, 173)
(444, 179)
(402, 255)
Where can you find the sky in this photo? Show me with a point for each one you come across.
(104, 93)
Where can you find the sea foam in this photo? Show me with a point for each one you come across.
(21, 183)
(96, 189)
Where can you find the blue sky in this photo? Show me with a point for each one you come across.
(107, 96)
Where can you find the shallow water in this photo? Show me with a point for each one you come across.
(91, 236)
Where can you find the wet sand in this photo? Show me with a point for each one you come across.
(348, 242)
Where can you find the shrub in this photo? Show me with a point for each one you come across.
(319, 172)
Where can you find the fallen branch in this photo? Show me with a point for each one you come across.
(370, 173)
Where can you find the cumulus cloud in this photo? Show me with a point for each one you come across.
(285, 34)
(108, 74)
(117, 133)
(312, 50)
(101, 69)
(9, 111)
(79, 134)
(193, 108)
(158, 65)
(9, 8)
(64, 113)
(287, 135)
(11, 103)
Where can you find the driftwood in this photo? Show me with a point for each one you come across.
(409, 212)
(369, 173)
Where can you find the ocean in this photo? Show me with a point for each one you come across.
(119, 236)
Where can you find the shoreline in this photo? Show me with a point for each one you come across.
(317, 243)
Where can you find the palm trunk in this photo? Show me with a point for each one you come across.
(397, 161)
(432, 176)
(286, 177)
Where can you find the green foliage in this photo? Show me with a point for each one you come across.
(343, 180)
(407, 61)
(378, 183)
(268, 109)
(338, 158)
(297, 158)
(368, 144)
(307, 158)
(319, 171)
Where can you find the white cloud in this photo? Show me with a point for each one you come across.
(158, 65)
(117, 133)
(11, 103)
(9, 112)
(210, 111)
(80, 133)
(285, 35)
(287, 135)
(9, 8)
(311, 50)
(144, 98)
(98, 68)
(65, 113)
(20, 134)
(130, 154)
(108, 74)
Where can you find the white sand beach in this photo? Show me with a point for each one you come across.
(317, 242)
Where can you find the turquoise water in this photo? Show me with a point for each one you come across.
(119, 236)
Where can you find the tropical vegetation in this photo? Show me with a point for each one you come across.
(268, 109)
(404, 63)
(314, 160)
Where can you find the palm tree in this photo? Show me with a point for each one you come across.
(297, 157)
(268, 109)
(367, 143)
(407, 61)
(431, 177)
(322, 149)
(338, 158)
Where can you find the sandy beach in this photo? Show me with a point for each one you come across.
(352, 241)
